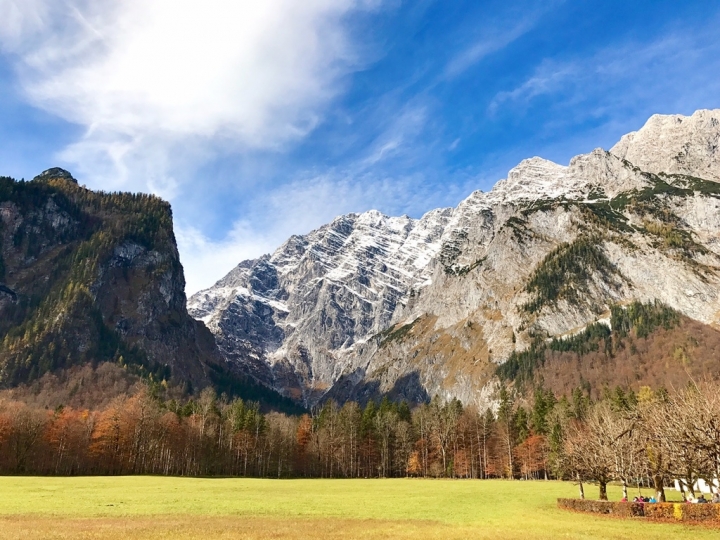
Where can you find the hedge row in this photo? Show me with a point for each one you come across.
(626, 509)
(659, 511)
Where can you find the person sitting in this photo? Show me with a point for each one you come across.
(624, 499)
(716, 497)
(701, 499)
(652, 499)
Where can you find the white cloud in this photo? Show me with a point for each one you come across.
(155, 82)
(401, 130)
(205, 260)
(549, 77)
(19, 19)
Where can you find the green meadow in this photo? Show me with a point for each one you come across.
(162, 507)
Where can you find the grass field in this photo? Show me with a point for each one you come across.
(183, 508)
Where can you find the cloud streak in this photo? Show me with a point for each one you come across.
(486, 46)
(498, 35)
(151, 80)
(661, 73)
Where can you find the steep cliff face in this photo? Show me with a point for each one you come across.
(285, 317)
(370, 304)
(88, 277)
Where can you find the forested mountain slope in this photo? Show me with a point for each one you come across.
(647, 345)
(87, 278)
(370, 304)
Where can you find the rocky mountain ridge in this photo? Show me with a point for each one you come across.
(373, 304)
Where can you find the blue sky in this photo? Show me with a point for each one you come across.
(259, 120)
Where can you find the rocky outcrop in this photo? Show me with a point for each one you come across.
(675, 144)
(371, 304)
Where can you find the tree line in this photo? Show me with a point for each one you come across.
(648, 437)
(214, 435)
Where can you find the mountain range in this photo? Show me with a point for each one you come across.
(603, 272)
(372, 305)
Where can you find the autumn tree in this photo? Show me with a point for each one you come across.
(531, 454)
(589, 448)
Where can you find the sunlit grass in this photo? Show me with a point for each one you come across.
(159, 507)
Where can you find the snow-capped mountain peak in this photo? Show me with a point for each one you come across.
(314, 318)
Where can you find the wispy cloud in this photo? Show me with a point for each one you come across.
(665, 74)
(497, 35)
(489, 44)
(549, 77)
(151, 80)
(403, 129)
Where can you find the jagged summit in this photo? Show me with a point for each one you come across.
(676, 144)
(55, 172)
(372, 304)
(537, 179)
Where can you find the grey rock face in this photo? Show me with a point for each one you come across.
(140, 292)
(676, 144)
(371, 304)
(55, 172)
